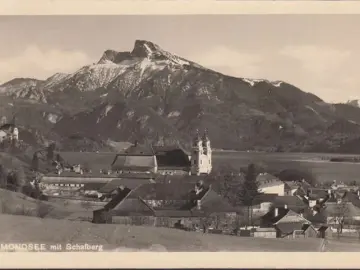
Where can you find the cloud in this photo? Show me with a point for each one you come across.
(229, 61)
(317, 59)
(36, 63)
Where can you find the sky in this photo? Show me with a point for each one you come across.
(317, 53)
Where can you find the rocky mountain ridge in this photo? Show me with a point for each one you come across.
(149, 94)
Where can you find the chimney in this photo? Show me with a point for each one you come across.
(276, 212)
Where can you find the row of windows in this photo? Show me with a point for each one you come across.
(194, 161)
(66, 185)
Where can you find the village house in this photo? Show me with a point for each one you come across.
(291, 187)
(288, 224)
(94, 185)
(170, 205)
(269, 184)
(343, 208)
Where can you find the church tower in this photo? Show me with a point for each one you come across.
(207, 160)
(196, 153)
(201, 155)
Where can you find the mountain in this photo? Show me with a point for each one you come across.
(149, 94)
(354, 102)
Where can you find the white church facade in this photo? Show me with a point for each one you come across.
(201, 155)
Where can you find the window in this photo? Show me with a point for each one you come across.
(194, 161)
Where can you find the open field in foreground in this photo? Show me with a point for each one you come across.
(19, 229)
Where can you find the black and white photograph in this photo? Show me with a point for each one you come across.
(180, 133)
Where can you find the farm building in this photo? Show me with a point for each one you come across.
(288, 224)
(269, 184)
(265, 232)
(168, 205)
(290, 188)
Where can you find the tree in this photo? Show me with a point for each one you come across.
(341, 212)
(35, 162)
(51, 152)
(297, 175)
(249, 190)
(3, 177)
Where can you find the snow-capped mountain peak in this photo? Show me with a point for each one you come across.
(354, 102)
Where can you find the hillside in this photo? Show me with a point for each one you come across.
(136, 238)
(151, 94)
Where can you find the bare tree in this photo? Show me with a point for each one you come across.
(341, 213)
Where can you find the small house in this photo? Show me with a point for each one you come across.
(265, 233)
(269, 184)
(287, 223)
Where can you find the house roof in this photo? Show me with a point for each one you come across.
(7, 127)
(317, 218)
(93, 160)
(292, 185)
(133, 163)
(265, 229)
(284, 216)
(213, 202)
(178, 213)
(193, 179)
(353, 198)
(172, 157)
(268, 180)
(159, 149)
(292, 217)
(265, 197)
(130, 183)
(347, 209)
(290, 227)
(292, 202)
(132, 206)
(138, 150)
(270, 217)
(318, 193)
(172, 191)
(160, 199)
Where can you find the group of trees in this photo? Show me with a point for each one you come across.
(14, 179)
(240, 187)
(49, 157)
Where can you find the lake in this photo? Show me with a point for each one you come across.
(324, 170)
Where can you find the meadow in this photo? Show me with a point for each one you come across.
(318, 164)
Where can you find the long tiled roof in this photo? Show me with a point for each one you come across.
(293, 202)
(348, 209)
(157, 191)
(96, 161)
(130, 183)
(172, 158)
(136, 163)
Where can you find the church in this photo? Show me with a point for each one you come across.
(138, 163)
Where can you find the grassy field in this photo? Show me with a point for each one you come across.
(325, 171)
(18, 229)
(29, 230)
(18, 204)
